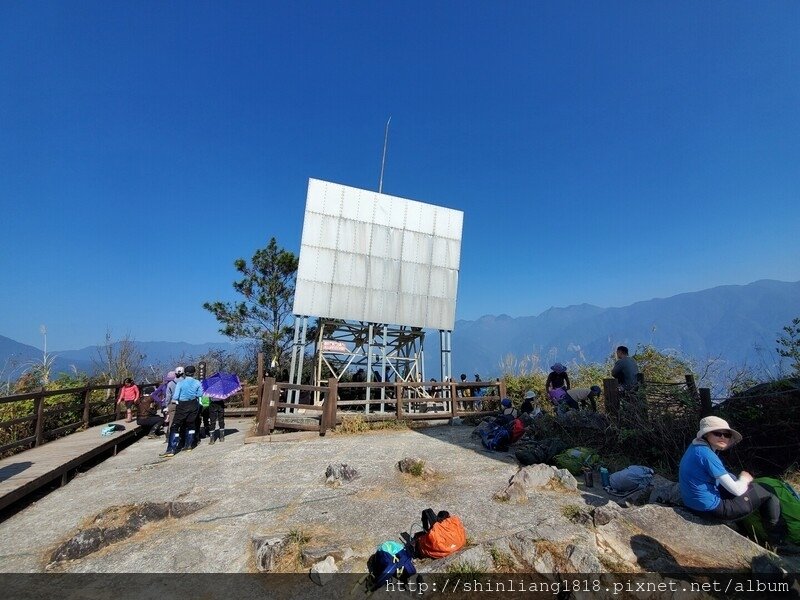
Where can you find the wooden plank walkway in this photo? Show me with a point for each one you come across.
(32, 469)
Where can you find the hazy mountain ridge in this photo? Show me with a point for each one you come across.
(726, 321)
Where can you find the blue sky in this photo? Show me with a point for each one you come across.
(602, 152)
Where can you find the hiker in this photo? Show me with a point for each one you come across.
(556, 379)
(710, 491)
(585, 396)
(625, 370)
(147, 416)
(129, 394)
(530, 405)
(187, 392)
(508, 408)
(562, 401)
(202, 417)
(216, 413)
(169, 405)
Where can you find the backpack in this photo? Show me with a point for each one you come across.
(515, 430)
(496, 437)
(575, 459)
(635, 477)
(445, 535)
(392, 560)
(790, 510)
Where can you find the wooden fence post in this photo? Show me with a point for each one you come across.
(245, 396)
(611, 396)
(86, 399)
(398, 396)
(453, 411)
(705, 402)
(692, 387)
(39, 405)
(260, 367)
(264, 401)
(327, 419)
(501, 389)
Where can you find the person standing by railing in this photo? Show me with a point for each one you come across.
(129, 394)
(187, 392)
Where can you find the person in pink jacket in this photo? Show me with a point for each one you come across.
(129, 394)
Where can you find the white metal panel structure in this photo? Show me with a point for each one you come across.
(372, 257)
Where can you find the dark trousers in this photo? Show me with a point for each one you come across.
(202, 415)
(216, 411)
(185, 416)
(152, 422)
(757, 497)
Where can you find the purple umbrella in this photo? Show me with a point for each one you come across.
(159, 394)
(221, 385)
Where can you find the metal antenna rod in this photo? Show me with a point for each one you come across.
(383, 160)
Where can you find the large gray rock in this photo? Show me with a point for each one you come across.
(658, 538)
(536, 477)
(664, 491)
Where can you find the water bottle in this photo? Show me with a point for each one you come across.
(604, 477)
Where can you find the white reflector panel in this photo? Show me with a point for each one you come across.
(372, 257)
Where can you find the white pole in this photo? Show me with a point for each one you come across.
(383, 160)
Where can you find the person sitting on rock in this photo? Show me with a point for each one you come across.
(508, 408)
(530, 405)
(710, 491)
(147, 416)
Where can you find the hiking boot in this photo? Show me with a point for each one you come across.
(221, 435)
(212, 438)
(172, 447)
(189, 444)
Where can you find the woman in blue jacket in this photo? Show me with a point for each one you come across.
(709, 490)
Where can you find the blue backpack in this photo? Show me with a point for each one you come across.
(391, 560)
(496, 437)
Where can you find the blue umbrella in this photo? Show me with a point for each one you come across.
(221, 385)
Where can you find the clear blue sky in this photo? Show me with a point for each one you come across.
(602, 152)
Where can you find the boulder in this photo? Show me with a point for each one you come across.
(323, 571)
(658, 538)
(336, 474)
(535, 477)
(267, 551)
(415, 466)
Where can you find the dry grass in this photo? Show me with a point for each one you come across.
(503, 561)
(352, 424)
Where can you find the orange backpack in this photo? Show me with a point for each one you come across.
(444, 538)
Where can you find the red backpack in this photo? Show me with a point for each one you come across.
(516, 429)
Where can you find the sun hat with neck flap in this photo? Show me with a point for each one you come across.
(709, 424)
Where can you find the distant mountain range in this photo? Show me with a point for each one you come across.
(18, 357)
(731, 322)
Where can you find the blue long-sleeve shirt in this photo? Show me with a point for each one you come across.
(187, 389)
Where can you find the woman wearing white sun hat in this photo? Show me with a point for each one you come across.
(709, 490)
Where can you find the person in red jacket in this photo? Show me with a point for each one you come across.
(129, 394)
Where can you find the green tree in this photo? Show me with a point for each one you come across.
(789, 344)
(267, 285)
(662, 367)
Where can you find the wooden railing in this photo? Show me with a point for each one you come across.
(409, 400)
(42, 414)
